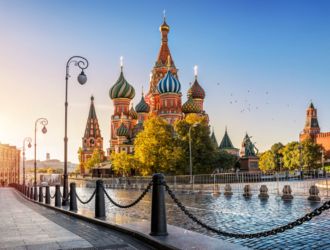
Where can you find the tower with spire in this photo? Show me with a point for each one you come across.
(312, 127)
(312, 131)
(164, 64)
(92, 138)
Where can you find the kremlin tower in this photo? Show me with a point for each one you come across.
(312, 131)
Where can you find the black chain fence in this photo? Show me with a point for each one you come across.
(89, 200)
(274, 231)
(131, 204)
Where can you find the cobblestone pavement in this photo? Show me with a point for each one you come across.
(25, 225)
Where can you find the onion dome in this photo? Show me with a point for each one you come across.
(190, 106)
(133, 113)
(169, 84)
(196, 91)
(122, 130)
(142, 106)
(122, 89)
(164, 26)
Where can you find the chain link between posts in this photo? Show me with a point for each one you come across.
(89, 200)
(281, 229)
(134, 202)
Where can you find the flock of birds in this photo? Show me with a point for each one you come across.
(245, 106)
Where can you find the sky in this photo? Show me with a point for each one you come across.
(260, 63)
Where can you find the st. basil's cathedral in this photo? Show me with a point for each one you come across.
(164, 99)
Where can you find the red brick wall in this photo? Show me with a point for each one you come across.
(324, 140)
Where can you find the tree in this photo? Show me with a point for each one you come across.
(156, 148)
(225, 161)
(267, 161)
(122, 163)
(50, 171)
(291, 155)
(96, 158)
(311, 154)
(205, 156)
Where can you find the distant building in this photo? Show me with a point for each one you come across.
(92, 138)
(249, 161)
(312, 130)
(227, 145)
(9, 164)
(49, 163)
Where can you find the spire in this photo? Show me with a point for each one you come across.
(164, 51)
(214, 139)
(92, 125)
(226, 142)
(92, 113)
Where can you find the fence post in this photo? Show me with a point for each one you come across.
(73, 198)
(31, 193)
(99, 200)
(158, 211)
(36, 194)
(47, 195)
(26, 191)
(57, 196)
(41, 195)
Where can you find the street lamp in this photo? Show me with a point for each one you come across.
(82, 63)
(300, 147)
(29, 140)
(43, 122)
(190, 153)
(325, 172)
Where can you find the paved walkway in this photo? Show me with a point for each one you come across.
(25, 225)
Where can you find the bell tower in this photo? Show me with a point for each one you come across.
(92, 138)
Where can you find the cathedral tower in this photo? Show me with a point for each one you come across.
(123, 118)
(163, 64)
(92, 138)
(311, 128)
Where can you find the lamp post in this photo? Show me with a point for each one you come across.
(190, 153)
(29, 140)
(43, 122)
(82, 63)
(300, 147)
(325, 172)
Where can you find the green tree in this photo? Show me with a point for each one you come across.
(267, 161)
(311, 154)
(81, 164)
(205, 156)
(156, 148)
(225, 161)
(291, 155)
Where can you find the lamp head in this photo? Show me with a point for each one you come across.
(82, 78)
(44, 130)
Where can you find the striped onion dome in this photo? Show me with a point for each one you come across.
(122, 89)
(196, 91)
(133, 113)
(190, 106)
(169, 84)
(142, 106)
(122, 130)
